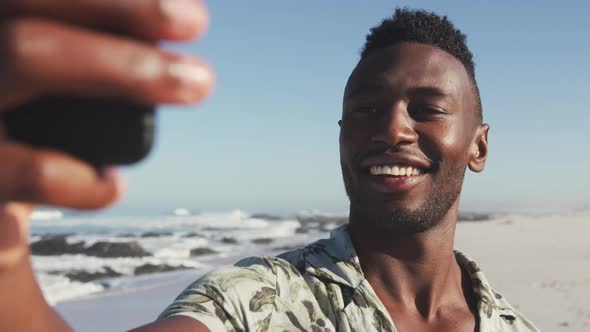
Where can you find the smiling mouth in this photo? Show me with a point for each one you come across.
(395, 170)
(395, 178)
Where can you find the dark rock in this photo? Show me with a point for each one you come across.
(264, 240)
(564, 324)
(151, 268)
(77, 247)
(229, 240)
(302, 230)
(202, 251)
(116, 249)
(220, 229)
(85, 276)
(127, 235)
(58, 245)
(473, 216)
(156, 234)
(265, 216)
(193, 234)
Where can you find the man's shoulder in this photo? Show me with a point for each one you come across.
(266, 270)
(289, 263)
(248, 291)
(328, 259)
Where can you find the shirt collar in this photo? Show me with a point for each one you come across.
(489, 299)
(334, 259)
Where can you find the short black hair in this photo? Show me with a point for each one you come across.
(423, 27)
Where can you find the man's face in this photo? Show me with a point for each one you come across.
(409, 129)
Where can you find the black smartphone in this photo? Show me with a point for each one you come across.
(100, 132)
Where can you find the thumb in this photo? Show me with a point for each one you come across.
(14, 229)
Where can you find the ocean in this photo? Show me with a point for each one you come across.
(76, 255)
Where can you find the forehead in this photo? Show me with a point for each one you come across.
(407, 66)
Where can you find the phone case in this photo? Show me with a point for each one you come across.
(100, 132)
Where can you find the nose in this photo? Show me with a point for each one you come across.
(396, 127)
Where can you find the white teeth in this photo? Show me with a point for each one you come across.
(386, 170)
(376, 170)
(394, 170)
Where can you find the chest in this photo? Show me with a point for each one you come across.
(333, 307)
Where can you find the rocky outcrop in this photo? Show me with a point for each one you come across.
(116, 249)
(85, 276)
(265, 216)
(56, 245)
(262, 240)
(156, 234)
(229, 240)
(193, 234)
(151, 268)
(202, 251)
(473, 216)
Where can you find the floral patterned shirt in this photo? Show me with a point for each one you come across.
(320, 287)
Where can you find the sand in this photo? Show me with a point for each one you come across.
(540, 263)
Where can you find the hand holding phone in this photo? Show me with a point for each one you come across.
(65, 85)
(100, 132)
(74, 98)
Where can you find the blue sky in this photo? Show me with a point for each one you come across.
(267, 140)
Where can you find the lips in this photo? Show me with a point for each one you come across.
(394, 173)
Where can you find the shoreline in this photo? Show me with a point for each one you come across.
(540, 263)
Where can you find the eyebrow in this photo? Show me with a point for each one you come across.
(381, 87)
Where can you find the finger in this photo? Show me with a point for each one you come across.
(13, 233)
(42, 57)
(52, 178)
(147, 19)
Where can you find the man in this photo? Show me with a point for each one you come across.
(411, 125)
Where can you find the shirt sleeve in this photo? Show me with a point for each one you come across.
(229, 298)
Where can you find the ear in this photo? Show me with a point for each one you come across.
(479, 149)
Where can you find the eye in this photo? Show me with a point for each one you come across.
(423, 111)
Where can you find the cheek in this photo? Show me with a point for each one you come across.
(447, 144)
(453, 144)
(351, 143)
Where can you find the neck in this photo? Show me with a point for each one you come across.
(416, 272)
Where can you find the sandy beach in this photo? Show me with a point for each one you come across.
(540, 263)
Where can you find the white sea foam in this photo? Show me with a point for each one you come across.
(46, 215)
(57, 288)
(169, 239)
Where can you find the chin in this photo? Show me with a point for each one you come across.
(400, 220)
(402, 215)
